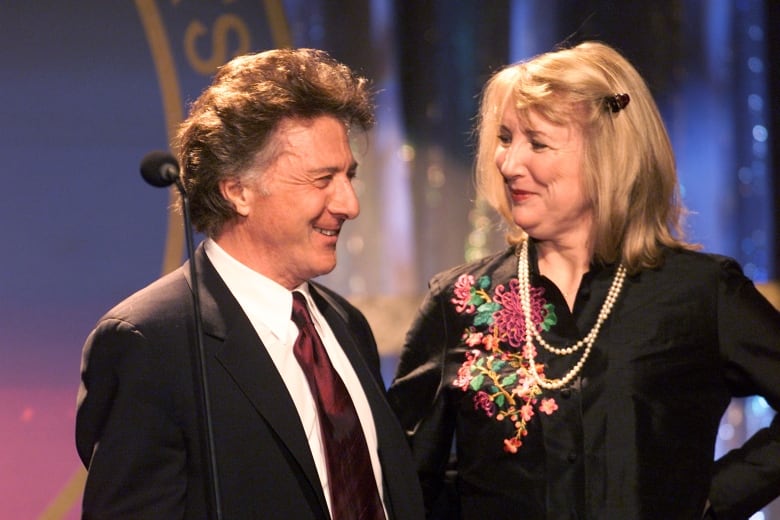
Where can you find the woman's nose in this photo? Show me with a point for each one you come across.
(510, 161)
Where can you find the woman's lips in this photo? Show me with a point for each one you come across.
(519, 195)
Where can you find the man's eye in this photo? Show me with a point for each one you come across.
(322, 182)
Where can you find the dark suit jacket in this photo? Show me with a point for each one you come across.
(137, 422)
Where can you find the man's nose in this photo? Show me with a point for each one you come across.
(344, 201)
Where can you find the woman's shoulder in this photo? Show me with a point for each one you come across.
(502, 263)
(689, 268)
(699, 260)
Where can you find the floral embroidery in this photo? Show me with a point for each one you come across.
(496, 369)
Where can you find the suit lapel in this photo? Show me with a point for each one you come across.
(239, 350)
(370, 379)
(338, 319)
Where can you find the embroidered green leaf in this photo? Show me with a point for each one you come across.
(493, 362)
(476, 382)
(550, 318)
(485, 313)
(476, 298)
(489, 307)
(483, 319)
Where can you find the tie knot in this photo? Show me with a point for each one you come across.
(300, 311)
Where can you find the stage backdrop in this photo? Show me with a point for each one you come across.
(89, 87)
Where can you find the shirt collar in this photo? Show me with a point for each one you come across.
(255, 291)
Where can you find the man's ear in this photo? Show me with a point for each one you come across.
(238, 194)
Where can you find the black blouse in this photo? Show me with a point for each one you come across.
(632, 436)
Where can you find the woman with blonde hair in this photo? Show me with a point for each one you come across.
(583, 371)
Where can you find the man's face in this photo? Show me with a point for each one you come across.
(293, 211)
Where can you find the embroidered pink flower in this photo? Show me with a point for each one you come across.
(526, 387)
(496, 370)
(526, 412)
(539, 308)
(463, 378)
(462, 292)
(491, 343)
(509, 319)
(511, 445)
(548, 406)
(482, 401)
(472, 338)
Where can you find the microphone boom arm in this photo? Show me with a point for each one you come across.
(161, 169)
(200, 357)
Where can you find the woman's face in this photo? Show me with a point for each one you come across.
(542, 166)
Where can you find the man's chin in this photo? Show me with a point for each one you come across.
(326, 266)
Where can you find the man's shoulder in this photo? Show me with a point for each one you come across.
(330, 297)
(163, 297)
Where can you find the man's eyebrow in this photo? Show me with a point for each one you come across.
(351, 170)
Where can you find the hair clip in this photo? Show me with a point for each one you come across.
(617, 102)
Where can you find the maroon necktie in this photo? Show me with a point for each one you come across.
(353, 490)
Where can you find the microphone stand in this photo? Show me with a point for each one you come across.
(200, 361)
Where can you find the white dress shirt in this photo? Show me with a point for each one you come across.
(268, 306)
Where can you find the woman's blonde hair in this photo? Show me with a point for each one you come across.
(629, 170)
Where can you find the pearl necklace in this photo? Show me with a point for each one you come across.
(531, 332)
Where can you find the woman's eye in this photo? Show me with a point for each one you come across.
(536, 145)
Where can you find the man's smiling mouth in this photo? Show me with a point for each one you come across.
(327, 232)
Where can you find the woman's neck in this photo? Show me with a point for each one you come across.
(564, 265)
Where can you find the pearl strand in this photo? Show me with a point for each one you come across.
(531, 333)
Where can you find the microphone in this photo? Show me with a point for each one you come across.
(161, 169)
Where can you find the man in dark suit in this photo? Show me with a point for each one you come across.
(268, 169)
